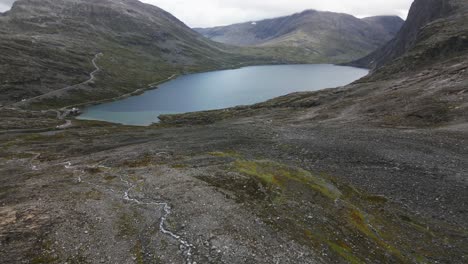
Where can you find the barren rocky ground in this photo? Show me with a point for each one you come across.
(260, 189)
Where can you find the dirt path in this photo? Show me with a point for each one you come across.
(136, 92)
(91, 79)
(97, 69)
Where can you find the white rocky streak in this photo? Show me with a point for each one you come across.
(36, 155)
(185, 245)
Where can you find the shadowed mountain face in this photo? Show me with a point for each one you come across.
(48, 45)
(390, 25)
(433, 25)
(321, 34)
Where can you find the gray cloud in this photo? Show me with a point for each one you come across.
(208, 13)
(5, 5)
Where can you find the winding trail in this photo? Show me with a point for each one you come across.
(63, 112)
(97, 69)
(184, 244)
(92, 76)
(123, 96)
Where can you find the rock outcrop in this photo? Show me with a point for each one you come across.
(427, 19)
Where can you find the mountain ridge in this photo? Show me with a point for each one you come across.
(421, 15)
(334, 36)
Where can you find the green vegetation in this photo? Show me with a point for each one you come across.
(280, 175)
(126, 224)
(143, 161)
(179, 166)
(93, 195)
(225, 154)
(344, 251)
(348, 216)
(138, 253)
(45, 257)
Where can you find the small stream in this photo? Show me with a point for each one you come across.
(185, 246)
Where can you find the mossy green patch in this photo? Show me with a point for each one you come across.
(280, 175)
(225, 154)
(362, 223)
(137, 163)
(328, 214)
(93, 195)
(77, 259)
(93, 170)
(126, 225)
(45, 257)
(138, 253)
(179, 166)
(345, 252)
(110, 177)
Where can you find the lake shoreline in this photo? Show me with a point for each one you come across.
(197, 92)
(154, 86)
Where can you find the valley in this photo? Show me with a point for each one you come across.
(201, 92)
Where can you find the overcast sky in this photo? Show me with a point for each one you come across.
(209, 13)
(5, 5)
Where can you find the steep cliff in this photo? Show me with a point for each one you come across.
(433, 27)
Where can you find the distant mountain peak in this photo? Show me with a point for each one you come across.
(323, 36)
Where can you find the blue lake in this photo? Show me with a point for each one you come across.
(222, 89)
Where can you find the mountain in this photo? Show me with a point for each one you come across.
(319, 35)
(424, 19)
(390, 25)
(47, 49)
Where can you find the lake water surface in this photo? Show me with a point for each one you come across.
(222, 89)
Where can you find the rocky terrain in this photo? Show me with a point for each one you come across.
(373, 172)
(320, 36)
(425, 19)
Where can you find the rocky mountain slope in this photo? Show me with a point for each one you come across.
(424, 86)
(424, 20)
(48, 46)
(323, 36)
